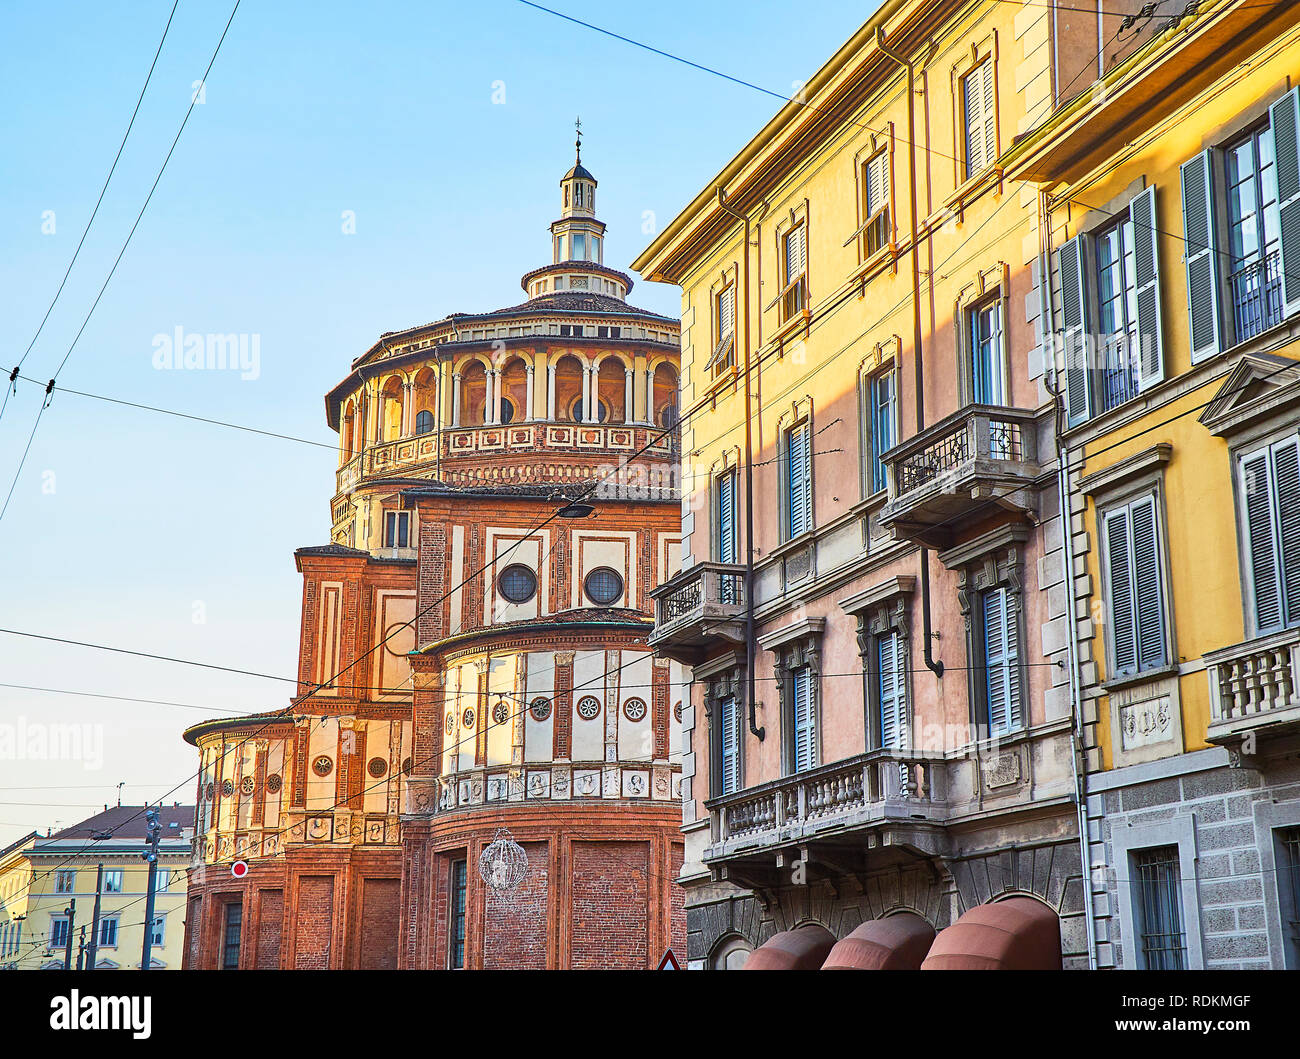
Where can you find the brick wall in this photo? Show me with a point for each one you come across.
(610, 927)
(380, 918)
(314, 924)
(515, 927)
(270, 923)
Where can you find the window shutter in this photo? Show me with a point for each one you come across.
(1201, 255)
(1286, 478)
(1120, 575)
(1285, 116)
(1147, 593)
(995, 662)
(890, 676)
(800, 479)
(727, 312)
(727, 518)
(1256, 487)
(1011, 652)
(804, 722)
(1078, 399)
(877, 184)
(981, 130)
(1146, 275)
(730, 745)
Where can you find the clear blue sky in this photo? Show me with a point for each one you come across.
(125, 526)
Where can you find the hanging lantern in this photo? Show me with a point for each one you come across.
(503, 864)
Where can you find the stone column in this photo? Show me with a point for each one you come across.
(629, 414)
(589, 390)
(649, 395)
(491, 406)
(528, 398)
(408, 409)
(455, 399)
(550, 392)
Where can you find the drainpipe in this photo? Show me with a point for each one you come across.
(1047, 314)
(750, 643)
(927, 636)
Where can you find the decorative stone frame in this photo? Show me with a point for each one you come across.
(991, 560)
(796, 646)
(986, 286)
(886, 355)
(987, 48)
(723, 677)
(1180, 831)
(799, 410)
(1151, 699)
(883, 608)
(797, 215)
(878, 142)
(1257, 404)
(1270, 817)
(726, 463)
(728, 276)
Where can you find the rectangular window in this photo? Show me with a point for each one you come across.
(1117, 313)
(58, 932)
(729, 723)
(397, 529)
(1001, 641)
(108, 931)
(65, 882)
(1288, 889)
(804, 719)
(884, 424)
(727, 530)
(798, 479)
(875, 203)
(891, 698)
(794, 264)
(1270, 495)
(456, 948)
(980, 118)
(158, 932)
(1254, 233)
(113, 881)
(1159, 920)
(1134, 587)
(231, 929)
(724, 330)
(984, 337)
(162, 878)
(579, 244)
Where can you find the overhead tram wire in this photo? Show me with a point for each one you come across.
(99, 201)
(127, 242)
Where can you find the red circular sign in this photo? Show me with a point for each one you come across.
(239, 869)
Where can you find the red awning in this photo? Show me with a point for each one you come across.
(801, 949)
(1018, 934)
(896, 943)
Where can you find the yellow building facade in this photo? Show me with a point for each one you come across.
(1173, 191)
(46, 876)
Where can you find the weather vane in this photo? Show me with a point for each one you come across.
(578, 143)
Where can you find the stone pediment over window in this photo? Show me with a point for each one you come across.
(880, 609)
(992, 559)
(1261, 393)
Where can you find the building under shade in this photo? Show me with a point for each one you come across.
(470, 660)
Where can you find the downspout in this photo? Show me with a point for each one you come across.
(1047, 313)
(750, 643)
(927, 635)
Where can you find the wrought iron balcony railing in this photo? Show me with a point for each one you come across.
(952, 467)
(1256, 291)
(699, 608)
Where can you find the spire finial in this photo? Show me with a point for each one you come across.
(578, 143)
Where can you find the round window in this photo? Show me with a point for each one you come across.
(668, 416)
(579, 414)
(604, 586)
(517, 583)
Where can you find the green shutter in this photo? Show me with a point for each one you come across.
(1285, 116)
(1146, 277)
(1119, 577)
(1201, 255)
(1261, 541)
(1148, 601)
(1286, 485)
(1074, 319)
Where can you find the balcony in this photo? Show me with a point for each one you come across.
(700, 612)
(826, 806)
(947, 474)
(1253, 689)
(1256, 292)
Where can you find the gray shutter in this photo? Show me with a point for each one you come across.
(1146, 275)
(1285, 115)
(1261, 545)
(1147, 593)
(1202, 256)
(995, 662)
(1119, 564)
(1286, 486)
(1078, 398)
